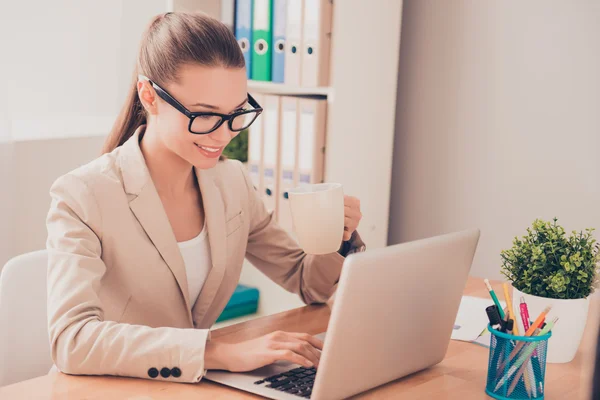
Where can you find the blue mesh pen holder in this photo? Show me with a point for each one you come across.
(517, 366)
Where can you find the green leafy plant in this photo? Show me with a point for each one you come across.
(237, 149)
(547, 263)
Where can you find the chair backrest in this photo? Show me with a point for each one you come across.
(24, 343)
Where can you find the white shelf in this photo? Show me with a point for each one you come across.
(283, 89)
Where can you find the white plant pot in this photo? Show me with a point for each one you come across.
(567, 334)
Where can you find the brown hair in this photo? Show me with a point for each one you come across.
(171, 40)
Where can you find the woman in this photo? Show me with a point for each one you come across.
(146, 243)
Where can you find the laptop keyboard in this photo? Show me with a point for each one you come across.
(298, 381)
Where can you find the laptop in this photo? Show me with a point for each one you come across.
(393, 315)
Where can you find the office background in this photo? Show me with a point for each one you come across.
(473, 114)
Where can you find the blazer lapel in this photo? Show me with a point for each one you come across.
(147, 206)
(214, 212)
(149, 211)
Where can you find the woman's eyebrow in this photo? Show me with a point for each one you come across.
(211, 107)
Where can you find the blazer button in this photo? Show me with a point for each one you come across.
(152, 372)
(165, 372)
(175, 372)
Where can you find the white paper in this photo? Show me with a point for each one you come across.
(471, 319)
(484, 339)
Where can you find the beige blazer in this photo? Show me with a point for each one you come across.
(118, 301)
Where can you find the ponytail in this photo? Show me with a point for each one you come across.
(131, 117)
(170, 41)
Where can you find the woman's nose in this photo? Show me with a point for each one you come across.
(223, 134)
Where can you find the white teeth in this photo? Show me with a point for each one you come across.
(208, 149)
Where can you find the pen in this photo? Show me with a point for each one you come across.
(510, 325)
(529, 376)
(520, 363)
(494, 317)
(493, 295)
(497, 324)
(525, 357)
(524, 313)
(538, 321)
(529, 332)
(509, 305)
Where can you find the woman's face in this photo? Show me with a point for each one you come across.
(200, 89)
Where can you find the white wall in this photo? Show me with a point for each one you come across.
(61, 57)
(498, 120)
(37, 165)
(63, 61)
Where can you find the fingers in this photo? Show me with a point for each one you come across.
(293, 357)
(316, 342)
(352, 216)
(301, 348)
(306, 350)
(350, 224)
(303, 345)
(347, 235)
(352, 202)
(352, 212)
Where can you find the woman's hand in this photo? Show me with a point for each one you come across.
(298, 348)
(352, 216)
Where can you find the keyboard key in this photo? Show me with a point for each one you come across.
(259, 382)
(279, 383)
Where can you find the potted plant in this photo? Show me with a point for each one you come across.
(549, 268)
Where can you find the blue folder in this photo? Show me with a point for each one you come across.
(279, 19)
(243, 30)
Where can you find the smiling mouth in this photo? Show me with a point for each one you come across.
(209, 149)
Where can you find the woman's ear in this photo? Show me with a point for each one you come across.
(147, 96)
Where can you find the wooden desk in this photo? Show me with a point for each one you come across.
(462, 374)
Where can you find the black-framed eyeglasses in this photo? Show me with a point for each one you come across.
(202, 123)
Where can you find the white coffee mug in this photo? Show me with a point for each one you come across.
(318, 216)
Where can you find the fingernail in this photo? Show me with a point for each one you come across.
(310, 364)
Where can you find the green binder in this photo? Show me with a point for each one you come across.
(262, 40)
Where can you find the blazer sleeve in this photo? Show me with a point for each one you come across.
(82, 341)
(276, 254)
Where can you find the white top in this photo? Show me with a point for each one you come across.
(196, 256)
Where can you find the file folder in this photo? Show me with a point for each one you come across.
(293, 37)
(271, 152)
(262, 40)
(255, 149)
(316, 42)
(311, 140)
(243, 301)
(288, 165)
(243, 31)
(279, 23)
(228, 13)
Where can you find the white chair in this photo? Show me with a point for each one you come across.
(24, 343)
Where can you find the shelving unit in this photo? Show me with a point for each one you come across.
(361, 108)
(288, 90)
